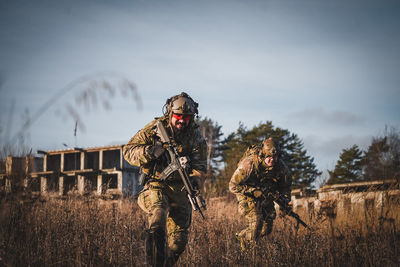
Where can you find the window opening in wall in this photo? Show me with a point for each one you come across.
(53, 162)
(92, 160)
(35, 164)
(72, 161)
(70, 183)
(110, 181)
(52, 183)
(111, 159)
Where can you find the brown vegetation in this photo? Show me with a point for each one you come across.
(92, 232)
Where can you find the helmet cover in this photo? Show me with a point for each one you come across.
(269, 147)
(182, 104)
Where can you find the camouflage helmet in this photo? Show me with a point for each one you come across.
(181, 104)
(269, 147)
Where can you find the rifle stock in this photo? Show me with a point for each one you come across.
(194, 196)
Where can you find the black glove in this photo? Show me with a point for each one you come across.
(155, 151)
(288, 207)
(286, 200)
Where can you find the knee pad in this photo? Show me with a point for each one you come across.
(177, 241)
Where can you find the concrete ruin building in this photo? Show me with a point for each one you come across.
(380, 198)
(96, 170)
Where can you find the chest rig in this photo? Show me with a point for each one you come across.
(260, 176)
(162, 169)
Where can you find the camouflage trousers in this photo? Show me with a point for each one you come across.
(169, 213)
(260, 215)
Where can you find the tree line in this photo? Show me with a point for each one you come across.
(380, 161)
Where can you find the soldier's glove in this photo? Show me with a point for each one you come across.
(288, 206)
(257, 193)
(252, 192)
(155, 151)
(285, 200)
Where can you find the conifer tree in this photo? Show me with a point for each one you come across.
(348, 168)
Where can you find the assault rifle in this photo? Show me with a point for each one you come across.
(177, 164)
(279, 199)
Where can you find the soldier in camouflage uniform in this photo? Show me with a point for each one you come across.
(167, 205)
(259, 172)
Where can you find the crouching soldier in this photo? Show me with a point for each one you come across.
(167, 205)
(259, 173)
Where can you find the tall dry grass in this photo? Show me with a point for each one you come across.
(90, 232)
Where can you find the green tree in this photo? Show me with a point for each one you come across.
(292, 151)
(212, 134)
(382, 159)
(348, 168)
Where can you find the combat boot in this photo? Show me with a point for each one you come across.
(155, 246)
(267, 227)
(172, 259)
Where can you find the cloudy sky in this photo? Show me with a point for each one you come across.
(328, 71)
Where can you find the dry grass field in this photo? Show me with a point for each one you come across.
(91, 232)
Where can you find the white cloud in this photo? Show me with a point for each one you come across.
(323, 117)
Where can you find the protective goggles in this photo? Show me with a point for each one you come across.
(182, 117)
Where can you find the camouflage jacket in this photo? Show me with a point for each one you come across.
(190, 144)
(251, 174)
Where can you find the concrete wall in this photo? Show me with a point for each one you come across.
(378, 199)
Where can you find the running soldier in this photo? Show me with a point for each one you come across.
(259, 173)
(167, 205)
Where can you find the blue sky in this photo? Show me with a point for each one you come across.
(325, 70)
